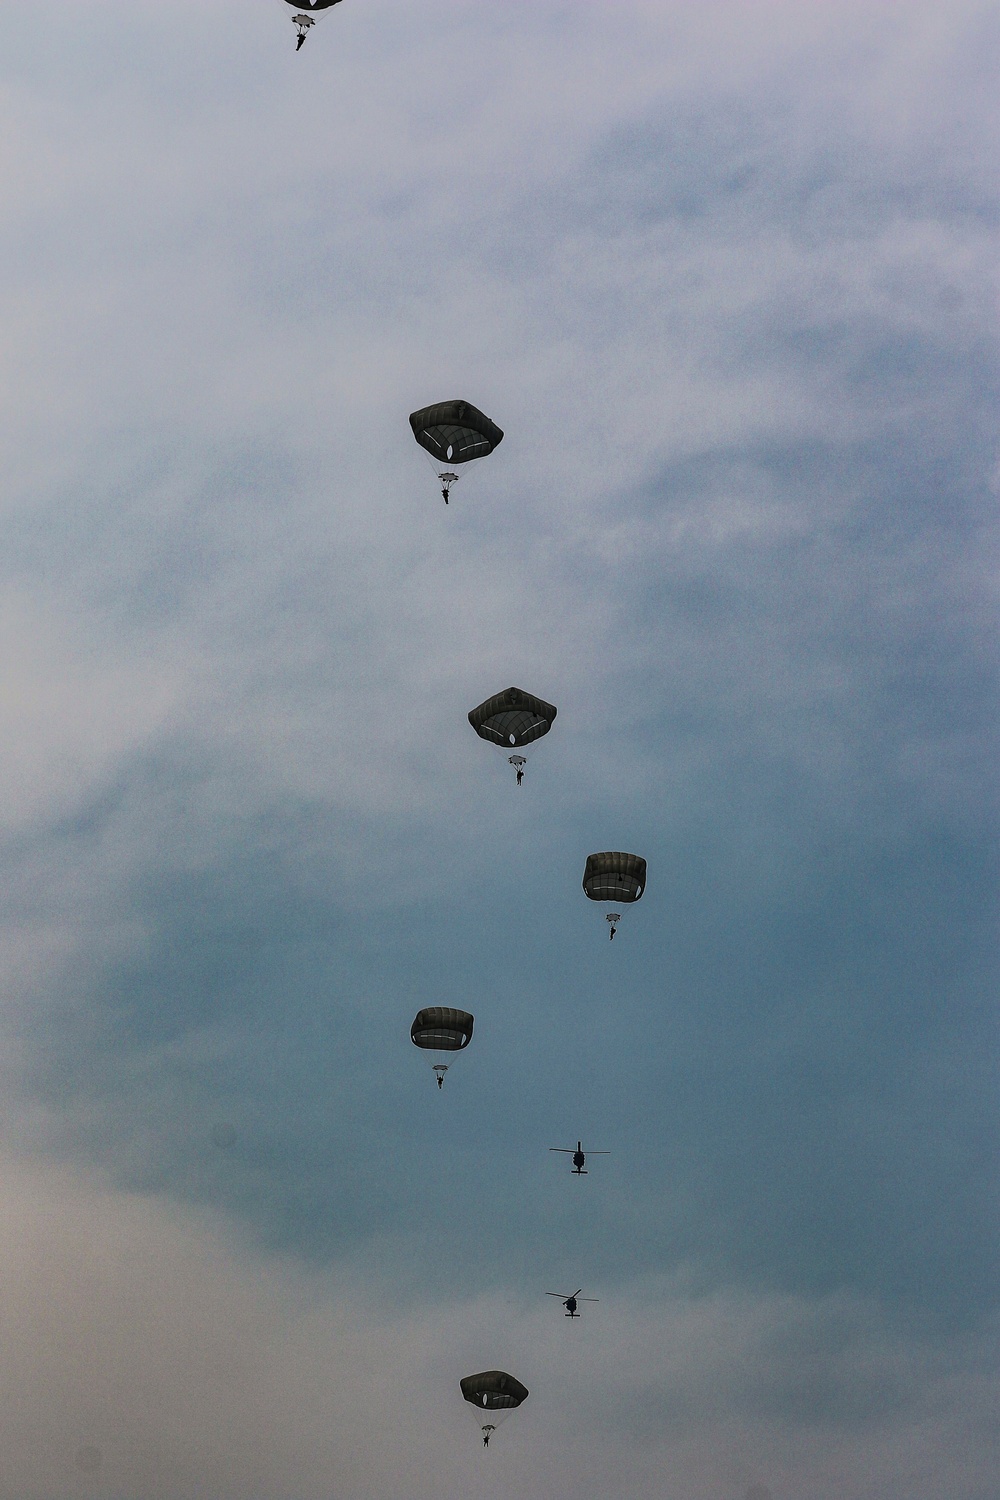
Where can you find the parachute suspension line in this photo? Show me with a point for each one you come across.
(445, 477)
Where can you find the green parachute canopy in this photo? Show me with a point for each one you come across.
(454, 432)
(493, 1390)
(512, 719)
(440, 1029)
(614, 877)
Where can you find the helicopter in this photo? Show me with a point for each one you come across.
(570, 1302)
(579, 1157)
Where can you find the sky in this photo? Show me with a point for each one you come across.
(726, 275)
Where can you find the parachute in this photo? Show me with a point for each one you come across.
(494, 1394)
(511, 720)
(441, 1031)
(303, 21)
(454, 432)
(614, 877)
(620, 878)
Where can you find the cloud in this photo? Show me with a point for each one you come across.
(147, 1355)
(727, 281)
(71, 708)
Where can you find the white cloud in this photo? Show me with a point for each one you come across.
(71, 708)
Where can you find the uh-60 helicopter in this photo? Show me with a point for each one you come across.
(570, 1302)
(579, 1157)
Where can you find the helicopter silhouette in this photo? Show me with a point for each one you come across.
(579, 1157)
(570, 1302)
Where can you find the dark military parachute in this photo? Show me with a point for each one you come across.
(493, 1390)
(313, 4)
(614, 877)
(620, 878)
(494, 1394)
(454, 432)
(512, 719)
(441, 1031)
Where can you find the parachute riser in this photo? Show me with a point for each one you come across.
(446, 478)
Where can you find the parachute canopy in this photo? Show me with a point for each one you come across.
(439, 1029)
(312, 4)
(614, 877)
(493, 1390)
(512, 719)
(454, 432)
